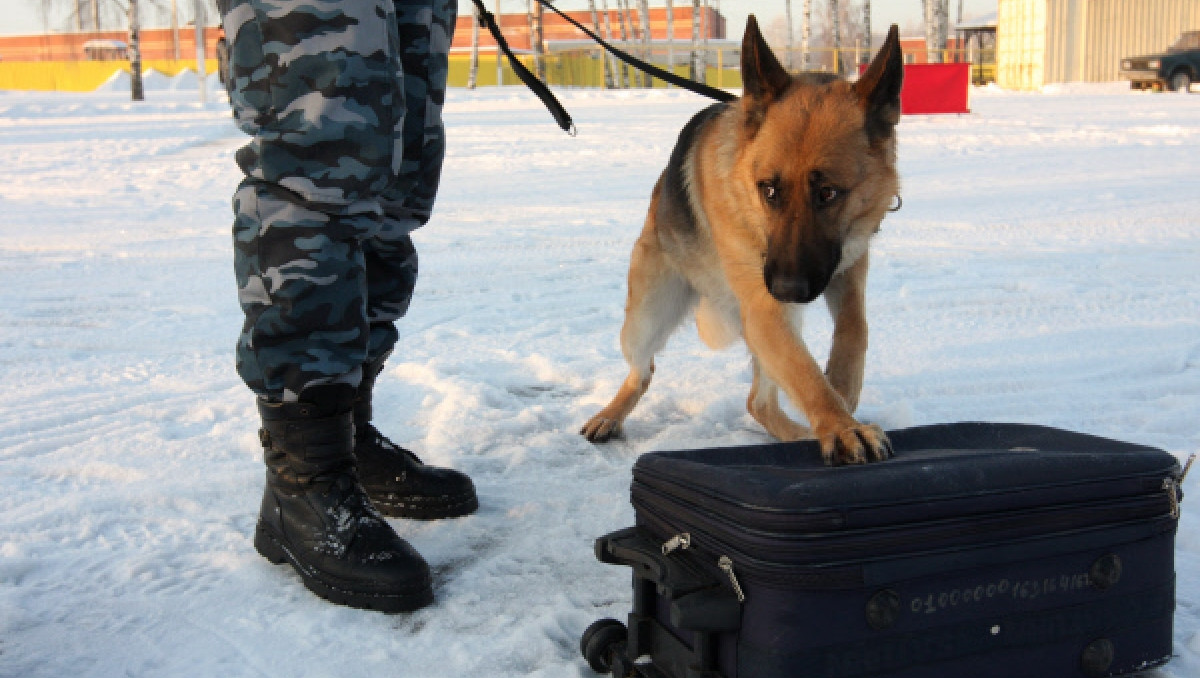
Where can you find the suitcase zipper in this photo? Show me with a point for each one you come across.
(833, 518)
(706, 546)
(846, 571)
(876, 542)
(726, 565)
(1172, 485)
(679, 541)
(1172, 489)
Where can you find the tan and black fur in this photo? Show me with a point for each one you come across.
(768, 202)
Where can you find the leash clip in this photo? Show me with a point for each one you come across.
(899, 203)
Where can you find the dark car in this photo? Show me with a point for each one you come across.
(1176, 69)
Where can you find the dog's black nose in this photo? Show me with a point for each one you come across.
(791, 289)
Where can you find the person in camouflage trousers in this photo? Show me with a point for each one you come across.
(343, 101)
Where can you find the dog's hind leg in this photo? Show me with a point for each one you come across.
(763, 405)
(658, 300)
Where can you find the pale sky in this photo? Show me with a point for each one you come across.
(21, 16)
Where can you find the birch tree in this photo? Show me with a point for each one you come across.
(605, 63)
(836, 11)
(539, 40)
(866, 18)
(135, 53)
(670, 36)
(608, 36)
(626, 37)
(806, 37)
(937, 22)
(473, 73)
(647, 45)
(697, 66)
(530, 25)
(791, 35)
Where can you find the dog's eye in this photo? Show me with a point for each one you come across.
(827, 194)
(770, 191)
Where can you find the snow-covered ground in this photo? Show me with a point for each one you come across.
(1045, 268)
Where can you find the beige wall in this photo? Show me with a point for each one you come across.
(1020, 43)
(1049, 41)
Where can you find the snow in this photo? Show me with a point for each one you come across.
(1043, 269)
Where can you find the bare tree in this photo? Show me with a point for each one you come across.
(647, 47)
(806, 37)
(697, 67)
(473, 73)
(174, 30)
(791, 34)
(135, 53)
(937, 24)
(626, 37)
(835, 13)
(100, 15)
(531, 22)
(670, 36)
(608, 35)
(604, 61)
(866, 34)
(829, 28)
(539, 40)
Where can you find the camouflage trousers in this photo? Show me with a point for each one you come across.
(343, 99)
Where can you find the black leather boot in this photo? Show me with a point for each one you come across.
(316, 517)
(399, 484)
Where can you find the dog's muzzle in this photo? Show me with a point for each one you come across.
(804, 278)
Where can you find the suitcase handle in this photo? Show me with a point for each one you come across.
(699, 601)
(631, 547)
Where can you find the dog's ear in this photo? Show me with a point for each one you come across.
(763, 78)
(879, 87)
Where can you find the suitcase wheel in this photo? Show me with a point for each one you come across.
(603, 644)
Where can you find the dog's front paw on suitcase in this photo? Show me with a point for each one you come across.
(600, 429)
(853, 443)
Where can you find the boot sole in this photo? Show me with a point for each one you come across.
(424, 508)
(275, 551)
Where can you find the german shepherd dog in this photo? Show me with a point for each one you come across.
(768, 202)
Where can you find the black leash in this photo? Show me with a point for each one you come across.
(539, 88)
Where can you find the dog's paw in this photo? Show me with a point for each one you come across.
(600, 429)
(854, 443)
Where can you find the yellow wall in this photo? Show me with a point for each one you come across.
(566, 70)
(81, 76)
(575, 70)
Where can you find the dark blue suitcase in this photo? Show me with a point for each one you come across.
(979, 551)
